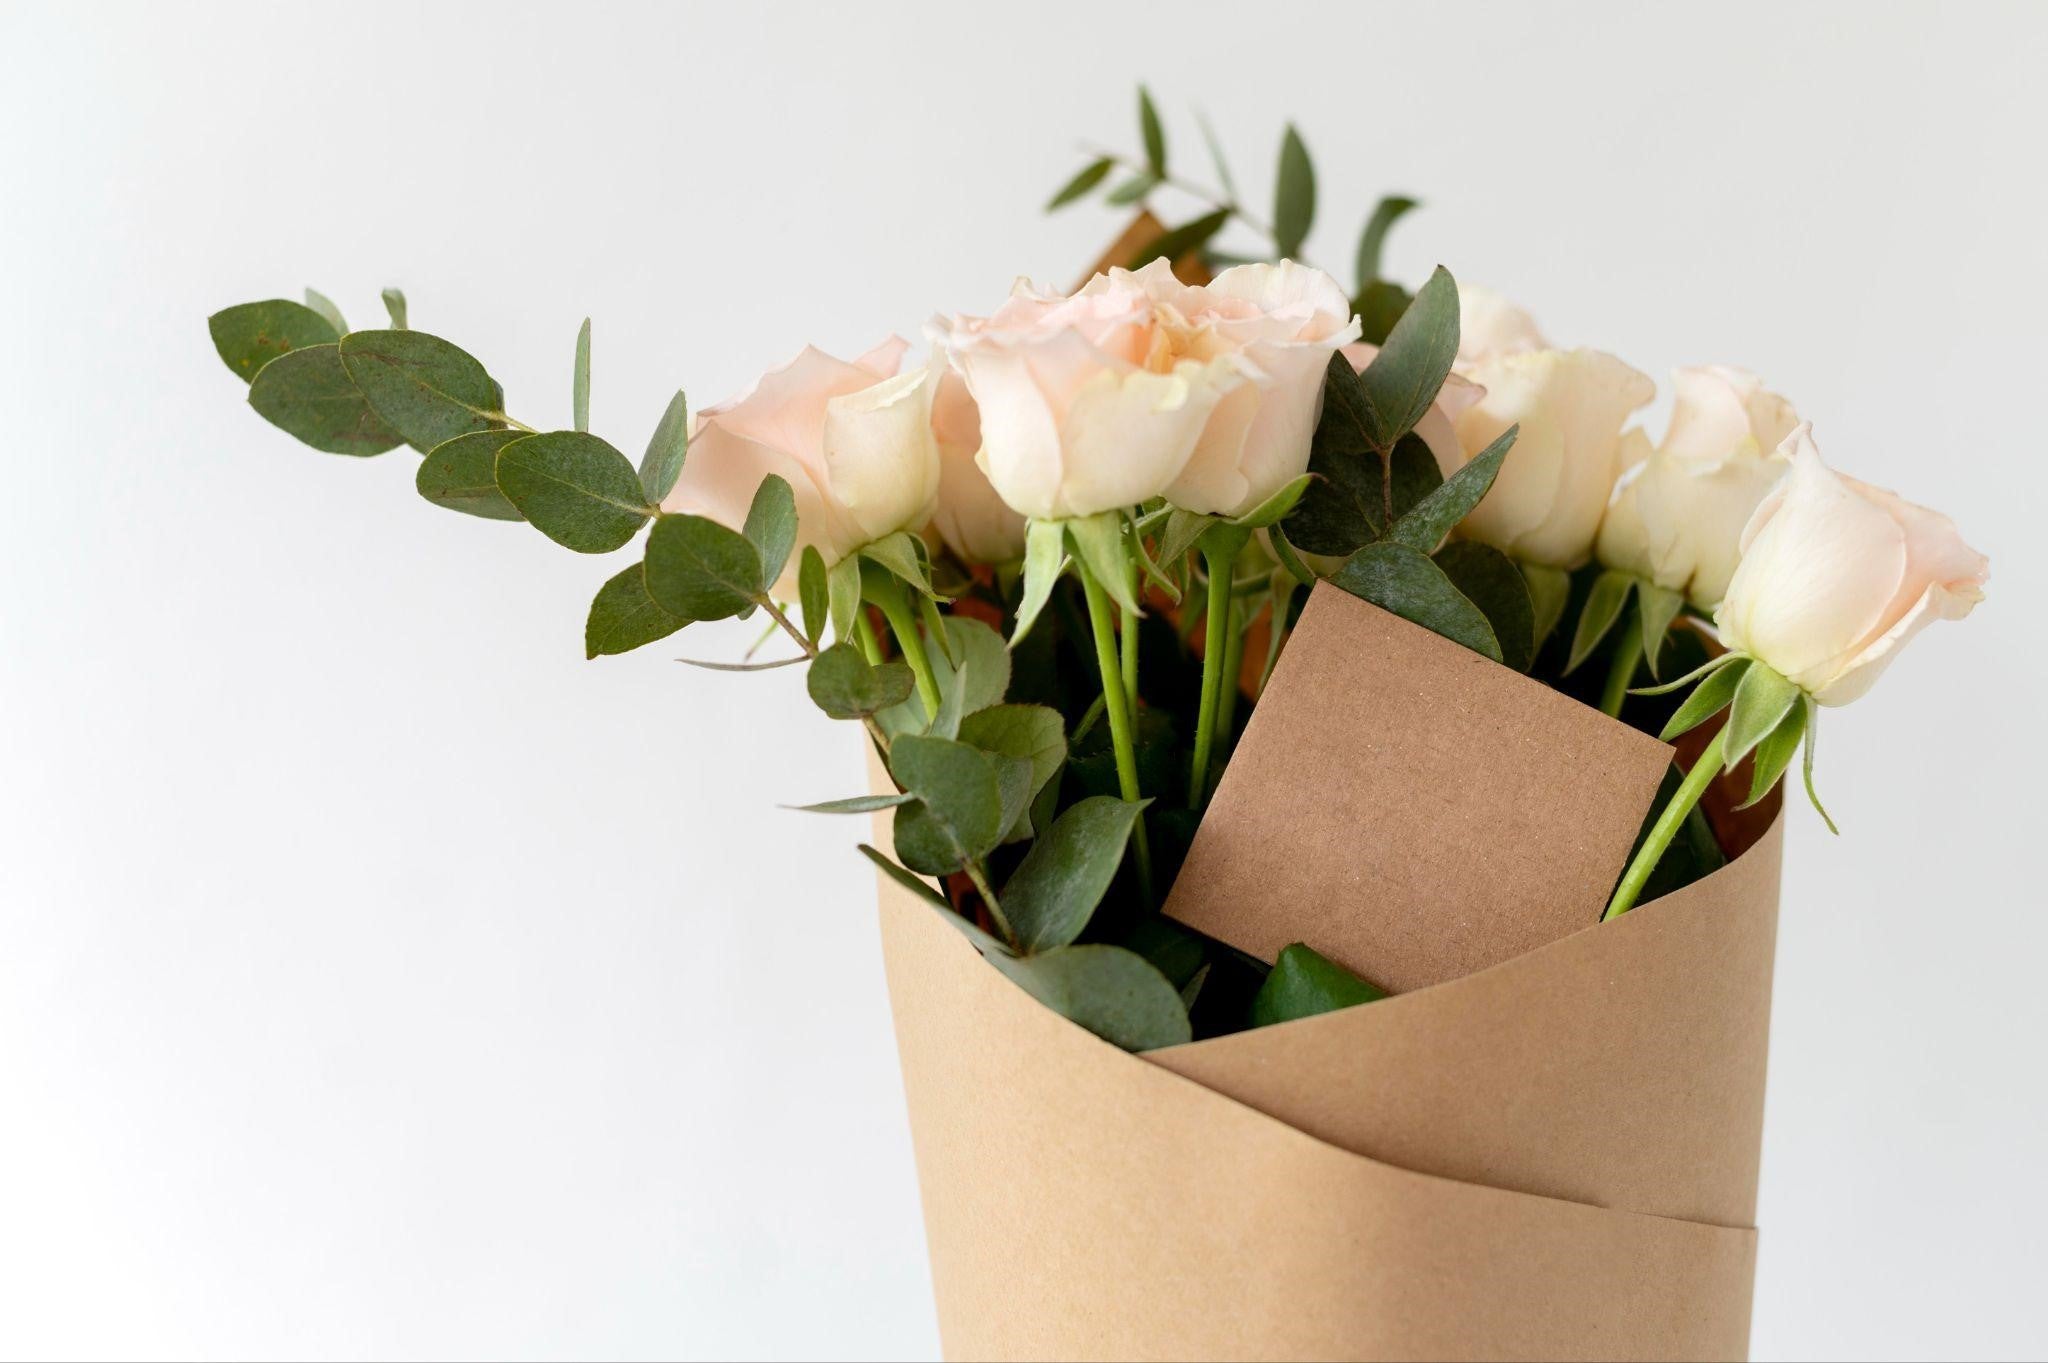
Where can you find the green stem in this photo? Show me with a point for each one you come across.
(887, 593)
(1233, 668)
(1115, 707)
(864, 635)
(1666, 828)
(1127, 635)
(1628, 656)
(1215, 621)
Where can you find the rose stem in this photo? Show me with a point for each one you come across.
(864, 634)
(1116, 708)
(1233, 666)
(1127, 639)
(887, 593)
(1215, 620)
(1682, 801)
(1628, 654)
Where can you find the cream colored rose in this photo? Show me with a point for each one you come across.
(976, 524)
(854, 441)
(1545, 506)
(1139, 386)
(1677, 513)
(1489, 325)
(1836, 575)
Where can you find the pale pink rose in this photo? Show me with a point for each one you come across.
(1836, 575)
(976, 524)
(1138, 386)
(1677, 516)
(854, 441)
(1546, 505)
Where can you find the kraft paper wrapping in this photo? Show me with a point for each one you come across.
(1554, 1156)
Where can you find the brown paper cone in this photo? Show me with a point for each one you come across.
(1553, 1156)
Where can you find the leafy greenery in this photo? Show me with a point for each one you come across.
(251, 335)
(421, 386)
(308, 394)
(575, 489)
(462, 475)
(1303, 983)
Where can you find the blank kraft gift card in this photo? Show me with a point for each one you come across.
(1411, 809)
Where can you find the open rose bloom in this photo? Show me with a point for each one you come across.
(1139, 386)
(853, 440)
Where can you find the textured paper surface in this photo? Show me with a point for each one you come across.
(1084, 1203)
(1410, 809)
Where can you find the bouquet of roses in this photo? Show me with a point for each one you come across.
(1119, 583)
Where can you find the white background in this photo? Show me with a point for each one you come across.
(379, 978)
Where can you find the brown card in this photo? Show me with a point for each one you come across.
(1411, 809)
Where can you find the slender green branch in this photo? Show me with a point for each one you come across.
(979, 876)
(1212, 198)
(1666, 828)
(1121, 737)
(864, 635)
(1233, 668)
(1127, 632)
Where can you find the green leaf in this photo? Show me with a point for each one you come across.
(1184, 530)
(1813, 796)
(959, 814)
(1487, 578)
(1708, 699)
(579, 383)
(1380, 305)
(394, 303)
(1549, 590)
(308, 394)
(1114, 993)
(1405, 376)
(1223, 175)
(976, 653)
(1053, 893)
(1099, 543)
(1402, 580)
(1384, 215)
(1604, 604)
(1033, 732)
(854, 804)
(1294, 196)
(814, 594)
(1761, 703)
(422, 387)
(1774, 753)
(1276, 506)
(771, 526)
(1088, 177)
(917, 885)
(575, 489)
(846, 686)
(1045, 557)
(1436, 515)
(1131, 191)
(1303, 982)
(1172, 245)
(1343, 509)
(1412, 474)
(1656, 607)
(901, 554)
(710, 665)
(842, 589)
(461, 474)
(700, 570)
(251, 335)
(322, 304)
(662, 464)
(623, 616)
(1013, 783)
(1154, 136)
